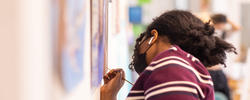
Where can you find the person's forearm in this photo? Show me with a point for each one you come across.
(234, 26)
(106, 95)
(107, 98)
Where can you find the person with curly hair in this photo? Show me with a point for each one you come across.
(171, 58)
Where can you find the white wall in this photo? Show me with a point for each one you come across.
(8, 55)
(25, 50)
(35, 57)
(26, 67)
(155, 8)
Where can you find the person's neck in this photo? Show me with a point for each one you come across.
(161, 48)
(164, 47)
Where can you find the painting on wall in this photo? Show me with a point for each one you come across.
(99, 14)
(70, 43)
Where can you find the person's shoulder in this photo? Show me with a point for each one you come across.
(170, 61)
(178, 71)
(173, 78)
(184, 67)
(170, 70)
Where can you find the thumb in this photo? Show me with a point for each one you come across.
(118, 76)
(117, 79)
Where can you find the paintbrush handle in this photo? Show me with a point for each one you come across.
(127, 81)
(123, 78)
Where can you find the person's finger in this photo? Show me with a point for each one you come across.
(117, 70)
(123, 74)
(112, 73)
(118, 76)
(122, 80)
(106, 79)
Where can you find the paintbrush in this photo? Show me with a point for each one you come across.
(122, 77)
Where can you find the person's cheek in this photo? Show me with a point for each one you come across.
(150, 55)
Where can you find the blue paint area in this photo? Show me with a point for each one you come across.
(73, 48)
(98, 43)
(135, 15)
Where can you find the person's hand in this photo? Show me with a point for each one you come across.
(113, 81)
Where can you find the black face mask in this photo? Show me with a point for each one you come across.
(140, 61)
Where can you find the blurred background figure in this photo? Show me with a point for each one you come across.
(220, 22)
(60, 49)
(220, 81)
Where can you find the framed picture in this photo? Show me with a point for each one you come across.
(70, 42)
(99, 36)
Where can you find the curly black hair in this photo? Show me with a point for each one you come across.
(192, 35)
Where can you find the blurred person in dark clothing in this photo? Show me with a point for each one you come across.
(220, 81)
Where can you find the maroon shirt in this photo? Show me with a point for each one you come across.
(173, 75)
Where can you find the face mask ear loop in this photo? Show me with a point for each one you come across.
(150, 40)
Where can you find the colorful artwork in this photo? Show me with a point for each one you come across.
(135, 14)
(99, 40)
(73, 51)
(141, 2)
(71, 30)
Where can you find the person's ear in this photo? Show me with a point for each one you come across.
(153, 39)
